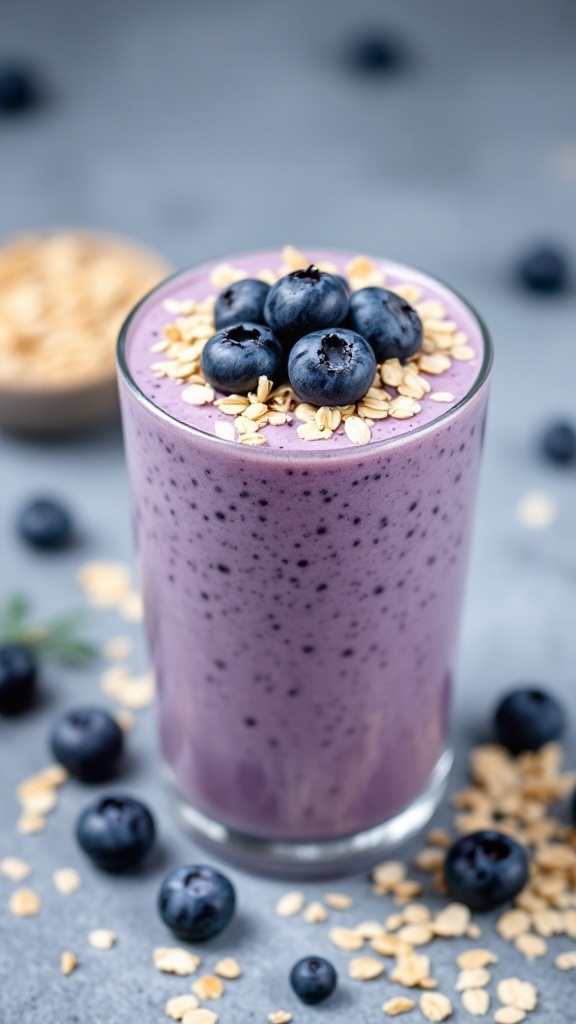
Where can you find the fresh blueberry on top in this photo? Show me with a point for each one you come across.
(485, 869)
(45, 524)
(527, 718)
(18, 673)
(88, 742)
(559, 442)
(196, 902)
(374, 53)
(387, 321)
(334, 367)
(234, 359)
(18, 90)
(313, 979)
(544, 269)
(305, 301)
(116, 832)
(241, 302)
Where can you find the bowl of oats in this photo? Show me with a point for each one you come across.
(63, 297)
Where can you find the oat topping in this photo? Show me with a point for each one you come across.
(397, 1005)
(280, 1017)
(397, 390)
(521, 995)
(365, 968)
(509, 1015)
(435, 1006)
(476, 1001)
(68, 962)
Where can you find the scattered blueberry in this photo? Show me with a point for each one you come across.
(372, 52)
(305, 301)
(196, 902)
(116, 832)
(234, 359)
(18, 673)
(88, 742)
(387, 321)
(18, 90)
(485, 869)
(545, 269)
(313, 979)
(334, 367)
(559, 442)
(527, 718)
(45, 524)
(241, 302)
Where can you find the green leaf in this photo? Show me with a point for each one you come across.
(57, 638)
(13, 614)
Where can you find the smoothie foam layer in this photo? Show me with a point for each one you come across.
(147, 329)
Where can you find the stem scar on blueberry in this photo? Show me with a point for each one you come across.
(310, 274)
(236, 335)
(335, 353)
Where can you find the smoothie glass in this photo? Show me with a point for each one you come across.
(302, 610)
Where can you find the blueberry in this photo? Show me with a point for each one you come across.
(241, 302)
(88, 742)
(334, 367)
(313, 979)
(18, 673)
(45, 524)
(196, 902)
(544, 269)
(485, 869)
(116, 832)
(387, 321)
(527, 718)
(374, 53)
(18, 90)
(342, 281)
(305, 301)
(234, 359)
(559, 442)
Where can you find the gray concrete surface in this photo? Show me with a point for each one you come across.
(205, 128)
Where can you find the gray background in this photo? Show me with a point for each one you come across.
(204, 128)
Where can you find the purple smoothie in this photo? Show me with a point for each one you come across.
(302, 599)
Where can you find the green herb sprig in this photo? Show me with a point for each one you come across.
(58, 638)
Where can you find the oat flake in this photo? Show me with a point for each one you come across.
(509, 1015)
(476, 1001)
(179, 1005)
(522, 995)
(289, 904)
(472, 977)
(200, 1016)
(102, 938)
(174, 960)
(338, 901)
(66, 880)
(280, 1017)
(397, 1005)
(68, 962)
(435, 1006)
(365, 968)
(14, 868)
(228, 968)
(474, 958)
(208, 987)
(315, 912)
(346, 939)
(24, 903)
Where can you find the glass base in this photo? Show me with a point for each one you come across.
(285, 859)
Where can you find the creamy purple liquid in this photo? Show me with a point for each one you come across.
(303, 598)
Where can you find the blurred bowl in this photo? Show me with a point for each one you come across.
(63, 298)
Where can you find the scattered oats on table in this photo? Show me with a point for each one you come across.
(435, 1006)
(66, 880)
(175, 960)
(472, 959)
(102, 938)
(24, 903)
(279, 1017)
(472, 977)
(338, 901)
(200, 1016)
(30, 824)
(290, 903)
(397, 1005)
(509, 1015)
(228, 968)
(476, 1001)
(315, 912)
(179, 1005)
(14, 868)
(365, 968)
(522, 995)
(208, 987)
(68, 962)
(346, 938)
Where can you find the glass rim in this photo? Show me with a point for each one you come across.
(289, 454)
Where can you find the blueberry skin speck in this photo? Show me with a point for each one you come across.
(234, 358)
(241, 302)
(558, 443)
(545, 270)
(485, 869)
(18, 90)
(46, 525)
(18, 674)
(527, 718)
(313, 979)
(334, 367)
(389, 323)
(116, 832)
(305, 301)
(196, 902)
(88, 742)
